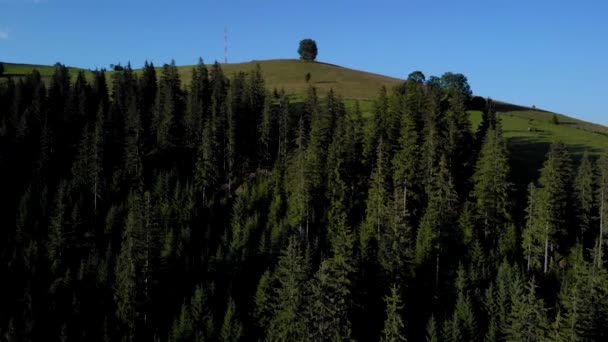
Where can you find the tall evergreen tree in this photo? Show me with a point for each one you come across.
(377, 214)
(584, 194)
(169, 108)
(231, 328)
(393, 325)
(435, 227)
(492, 186)
(198, 103)
(288, 321)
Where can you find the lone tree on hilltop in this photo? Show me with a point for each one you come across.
(308, 49)
(1, 69)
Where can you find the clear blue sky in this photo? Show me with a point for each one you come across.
(553, 54)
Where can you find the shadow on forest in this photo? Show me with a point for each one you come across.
(527, 155)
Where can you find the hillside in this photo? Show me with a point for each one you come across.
(289, 74)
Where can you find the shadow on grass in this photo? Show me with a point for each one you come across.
(527, 155)
(509, 107)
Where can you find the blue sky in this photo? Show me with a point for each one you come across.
(553, 54)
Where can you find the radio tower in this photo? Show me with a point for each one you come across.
(226, 44)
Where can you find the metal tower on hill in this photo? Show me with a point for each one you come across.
(226, 44)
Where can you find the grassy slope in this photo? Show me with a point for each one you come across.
(289, 74)
(46, 71)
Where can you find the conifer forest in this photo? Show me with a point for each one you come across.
(136, 207)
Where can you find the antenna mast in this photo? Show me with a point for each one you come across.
(226, 44)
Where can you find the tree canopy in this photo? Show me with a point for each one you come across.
(308, 49)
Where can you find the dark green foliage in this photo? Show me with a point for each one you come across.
(231, 328)
(288, 322)
(152, 211)
(169, 108)
(308, 49)
(393, 325)
(585, 196)
(457, 85)
(527, 320)
(492, 188)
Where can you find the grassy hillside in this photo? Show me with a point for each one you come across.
(17, 70)
(290, 74)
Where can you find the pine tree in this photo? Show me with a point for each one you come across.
(492, 187)
(234, 115)
(129, 265)
(527, 320)
(148, 88)
(198, 104)
(488, 121)
(555, 182)
(182, 330)
(463, 312)
(283, 125)
(406, 167)
(393, 325)
(602, 199)
(298, 186)
(431, 330)
(584, 193)
(96, 169)
(263, 302)
(201, 315)
(377, 131)
(377, 213)
(331, 301)
(288, 320)
(266, 131)
(133, 149)
(169, 108)
(207, 171)
(532, 233)
(57, 239)
(232, 330)
(433, 134)
(435, 224)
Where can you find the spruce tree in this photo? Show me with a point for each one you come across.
(232, 330)
(393, 325)
(169, 108)
(584, 194)
(492, 186)
(288, 321)
(602, 204)
(377, 214)
(198, 104)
